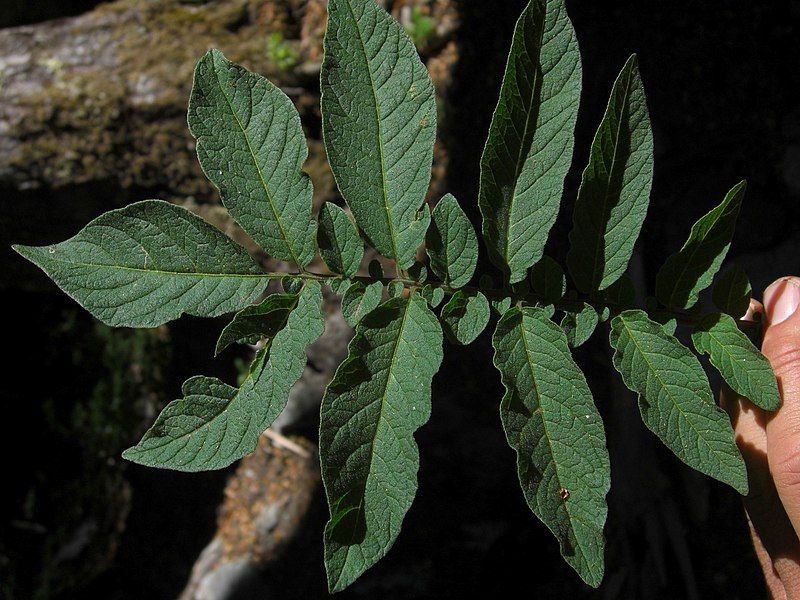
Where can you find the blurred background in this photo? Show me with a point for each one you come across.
(92, 117)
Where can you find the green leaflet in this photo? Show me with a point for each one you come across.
(433, 295)
(732, 292)
(675, 399)
(529, 148)
(464, 317)
(378, 398)
(548, 280)
(379, 125)
(148, 263)
(579, 326)
(552, 423)
(451, 243)
(615, 190)
(501, 306)
(743, 367)
(688, 272)
(339, 243)
(360, 299)
(251, 146)
(214, 424)
(254, 322)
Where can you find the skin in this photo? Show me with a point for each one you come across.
(770, 443)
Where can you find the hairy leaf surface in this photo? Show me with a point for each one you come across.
(339, 243)
(254, 322)
(675, 399)
(251, 146)
(379, 125)
(552, 423)
(378, 398)
(741, 365)
(732, 292)
(465, 316)
(615, 190)
(529, 148)
(148, 263)
(215, 424)
(451, 243)
(688, 272)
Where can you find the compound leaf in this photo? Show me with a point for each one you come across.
(251, 146)
(148, 263)
(688, 272)
(379, 125)
(451, 243)
(741, 365)
(675, 399)
(579, 326)
(378, 398)
(360, 299)
(339, 243)
(215, 424)
(615, 190)
(552, 423)
(529, 148)
(254, 322)
(732, 292)
(465, 316)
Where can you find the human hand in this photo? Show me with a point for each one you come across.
(770, 443)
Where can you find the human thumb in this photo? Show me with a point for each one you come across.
(781, 346)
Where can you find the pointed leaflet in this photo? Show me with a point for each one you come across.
(148, 263)
(615, 190)
(675, 399)
(253, 322)
(251, 146)
(378, 398)
(688, 272)
(732, 292)
(379, 125)
(529, 148)
(451, 243)
(465, 316)
(360, 299)
(214, 424)
(552, 423)
(579, 326)
(339, 244)
(743, 367)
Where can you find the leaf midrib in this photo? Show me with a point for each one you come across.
(389, 371)
(700, 240)
(538, 78)
(386, 204)
(531, 367)
(665, 388)
(275, 212)
(239, 390)
(169, 273)
(596, 281)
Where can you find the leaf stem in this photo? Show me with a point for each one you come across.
(530, 298)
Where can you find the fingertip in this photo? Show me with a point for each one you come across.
(781, 300)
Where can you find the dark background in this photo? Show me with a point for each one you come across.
(722, 86)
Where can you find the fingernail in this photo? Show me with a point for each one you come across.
(781, 299)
